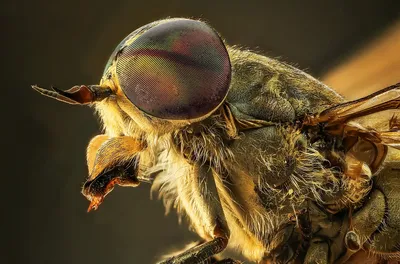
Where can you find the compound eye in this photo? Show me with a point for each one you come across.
(177, 70)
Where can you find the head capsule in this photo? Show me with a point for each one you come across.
(174, 69)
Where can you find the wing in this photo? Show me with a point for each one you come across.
(374, 118)
(266, 92)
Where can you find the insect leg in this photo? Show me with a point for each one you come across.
(206, 214)
(317, 252)
(227, 261)
(385, 242)
(363, 224)
(111, 161)
(211, 260)
(200, 253)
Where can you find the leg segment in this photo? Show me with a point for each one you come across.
(317, 253)
(227, 261)
(385, 242)
(363, 224)
(199, 191)
(200, 253)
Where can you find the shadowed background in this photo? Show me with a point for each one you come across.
(65, 43)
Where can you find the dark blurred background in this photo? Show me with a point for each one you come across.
(64, 43)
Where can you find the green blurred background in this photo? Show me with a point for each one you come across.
(64, 43)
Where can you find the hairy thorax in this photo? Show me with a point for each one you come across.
(265, 177)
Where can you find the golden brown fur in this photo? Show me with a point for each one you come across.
(282, 171)
(280, 168)
(176, 151)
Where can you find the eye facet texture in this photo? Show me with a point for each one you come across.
(178, 69)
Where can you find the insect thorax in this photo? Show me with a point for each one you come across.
(266, 177)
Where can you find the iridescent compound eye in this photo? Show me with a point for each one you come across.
(178, 70)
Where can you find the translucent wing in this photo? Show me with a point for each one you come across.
(374, 118)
